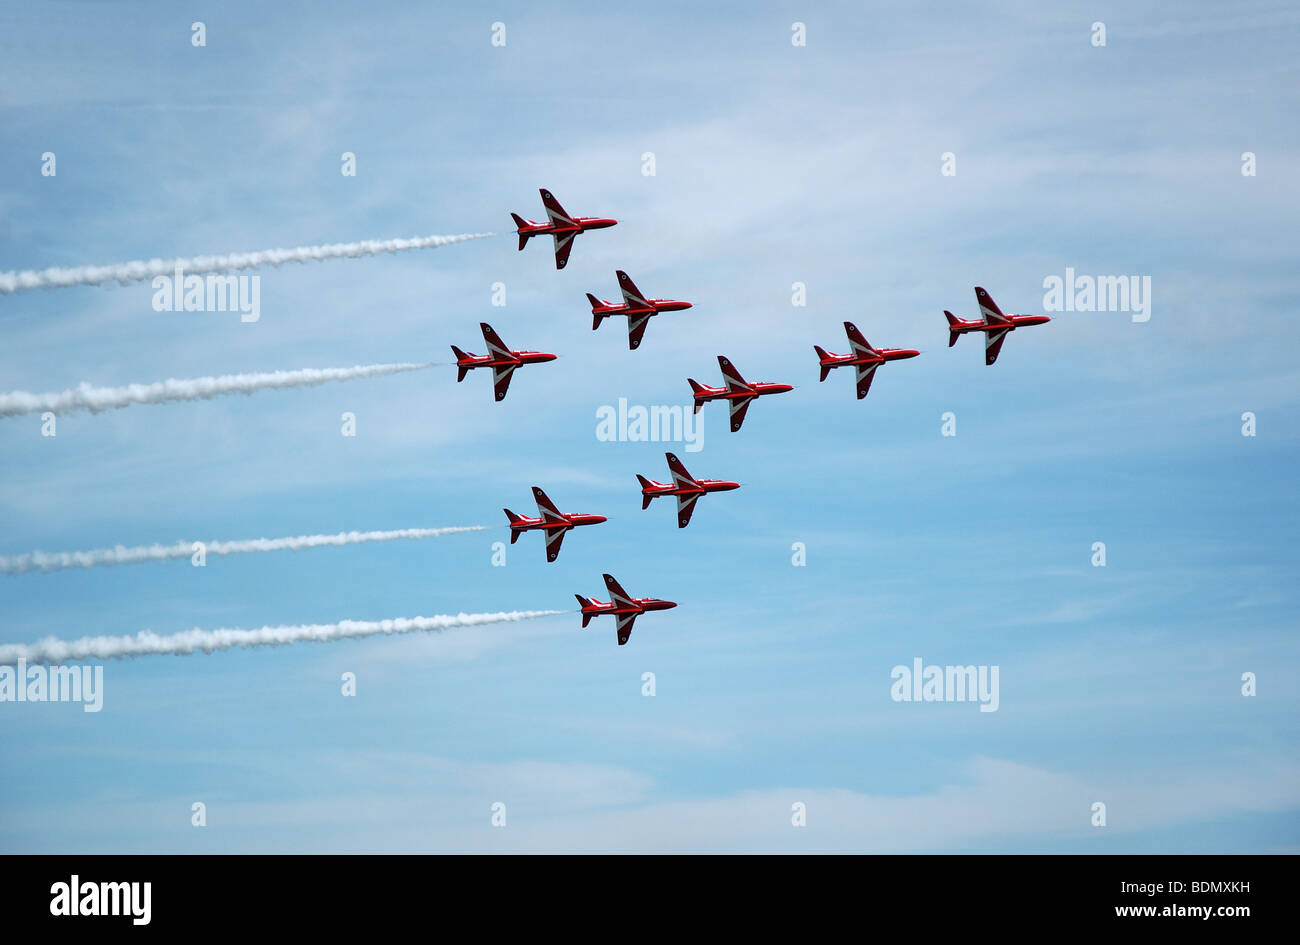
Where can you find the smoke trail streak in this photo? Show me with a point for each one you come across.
(146, 642)
(98, 399)
(140, 270)
(120, 554)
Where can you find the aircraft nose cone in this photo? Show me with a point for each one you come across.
(669, 604)
(597, 519)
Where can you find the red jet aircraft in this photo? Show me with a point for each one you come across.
(864, 357)
(638, 309)
(562, 226)
(738, 392)
(994, 324)
(686, 489)
(624, 608)
(502, 360)
(551, 520)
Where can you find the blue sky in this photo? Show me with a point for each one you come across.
(774, 164)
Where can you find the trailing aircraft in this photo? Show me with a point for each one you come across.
(738, 392)
(501, 360)
(638, 309)
(687, 489)
(624, 608)
(864, 357)
(551, 521)
(559, 225)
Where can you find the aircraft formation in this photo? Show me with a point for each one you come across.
(735, 391)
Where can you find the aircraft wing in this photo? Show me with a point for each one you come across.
(553, 209)
(681, 478)
(617, 594)
(501, 379)
(685, 506)
(623, 623)
(563, 246)
(631, 294)
(636, 330)
(495, 345)
(993, 344)
(861, 347)
(731, 376)
(989, 309)
(546, 508)
(866, 372)
(554, 538)
(738, 408)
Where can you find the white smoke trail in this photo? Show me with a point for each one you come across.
(146, 642)
(140, 270)
(97, 399)
(104, 557)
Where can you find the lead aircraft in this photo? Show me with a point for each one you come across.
(993, 323)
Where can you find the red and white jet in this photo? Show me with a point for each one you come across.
(559, 225)
(550, 520)
(739, 393)
(501, 360)
(994, 324)
(864, 357)
(638, 309)
(624, 608)
(686, 489)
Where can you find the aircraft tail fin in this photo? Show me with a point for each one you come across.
(583, 602)
(514, 532)
(823, 354)
(953, 334)
(696, 389)
(596, 317)
(461, 370)
(520, 223)
(645, 497)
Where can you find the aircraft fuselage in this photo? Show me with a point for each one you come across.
(756, 389)
(965, 325)
(885, 354)
(491, 361)
(579, 225)
(571, 520)
(652, 307)
(701, 487)
(640, 605)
